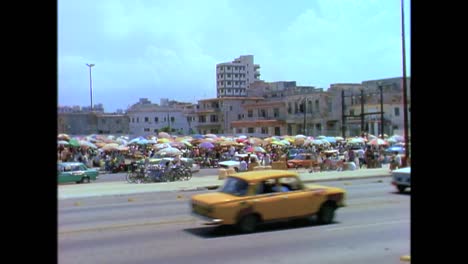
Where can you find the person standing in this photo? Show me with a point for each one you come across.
(243, 164)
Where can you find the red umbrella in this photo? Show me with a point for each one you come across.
(378, 141)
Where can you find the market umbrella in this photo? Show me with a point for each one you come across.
(255, 141)
(169, 152)
(320, 142)
(259, 149)
(111, 147)
(300, 136)
(74, 142)
(211, 136)
(176, 144)
(63, 137)
(355, 140)
(197, 136)
(163, 140)
(88, 144)
(206, 145)
(378, 142)
(62, 142)
(299, 141)
(227, 143)
(162, 145)
(142, 142)
(163, 135)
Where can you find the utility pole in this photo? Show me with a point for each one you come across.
(381, 112)
(360, 116)
(343, 117)
(405, 96)
(362, 111)
(305, 112)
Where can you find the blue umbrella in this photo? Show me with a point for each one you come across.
(396, 148)
(198, 136)
(206, 145)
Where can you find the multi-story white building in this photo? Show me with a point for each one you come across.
(147, 118)
(233, 79)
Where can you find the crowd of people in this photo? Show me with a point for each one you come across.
(370, 156)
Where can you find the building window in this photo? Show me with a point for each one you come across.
(249, 113)
(239, 130)
(138, 120)
(276, 112)
(250, 130)
(146, 119)
(156, 120)
(172, 119)
(264, 130)
(289, 108)
(201, 119)
(239, 117)
(230, 108)
(236, 75)
(277, 131)
(351, 112)
(155, 130)
(397, 111)
(229, 82)
(317, 105)
(229, 75)
(228, 67)
(146, 129)
(133, 120)
(262, 112)
(117, 121)
(213, 118)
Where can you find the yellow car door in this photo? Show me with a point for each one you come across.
(270, 204)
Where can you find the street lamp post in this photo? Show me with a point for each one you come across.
(90, 84)
(405, 96)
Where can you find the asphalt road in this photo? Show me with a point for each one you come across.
(158, 228)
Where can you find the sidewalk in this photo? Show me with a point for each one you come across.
(201, 183)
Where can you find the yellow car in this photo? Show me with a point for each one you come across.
(250, 198)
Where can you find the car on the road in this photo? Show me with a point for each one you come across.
(249, 198)
(75, 172)
(235, 162)
(304, 160)
(401, 178)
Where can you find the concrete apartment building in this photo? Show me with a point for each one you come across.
(261, 108)
(247, 105)
(86, 123)
(216, 115)
(147, 118)
(234, 78)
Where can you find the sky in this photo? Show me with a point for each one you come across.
(169, 49)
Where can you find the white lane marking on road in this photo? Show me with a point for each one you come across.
(369, 225)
